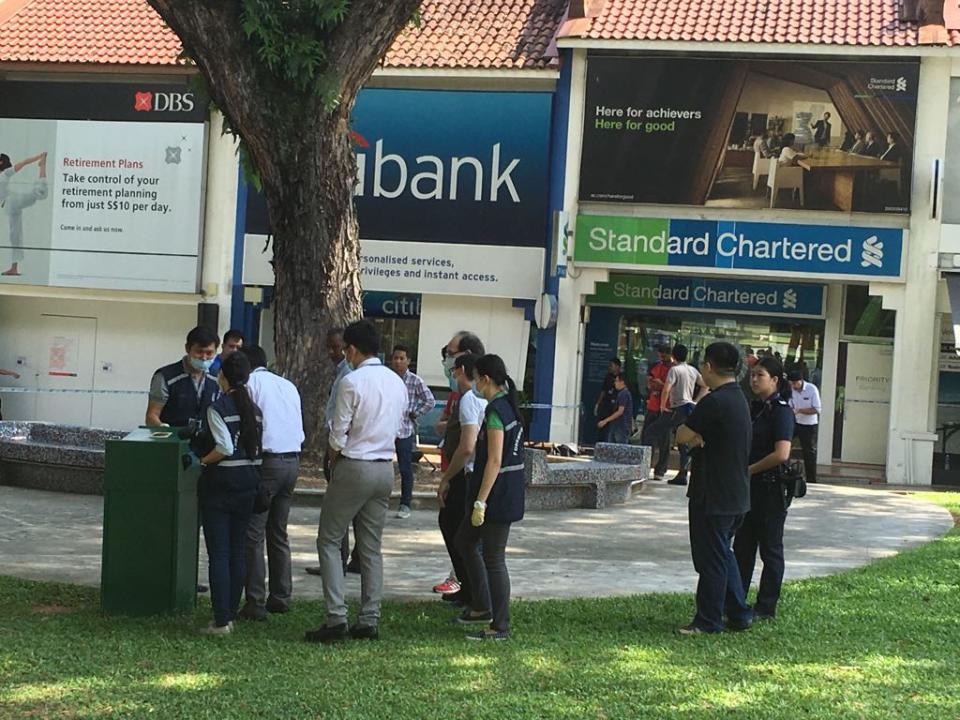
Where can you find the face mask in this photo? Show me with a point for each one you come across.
(198, 364)
(454, 385)
(448, 366)
(476, 390)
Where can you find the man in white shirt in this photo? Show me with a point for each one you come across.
(279, 403)
(681, 390)
(366, 421)
(805, 402)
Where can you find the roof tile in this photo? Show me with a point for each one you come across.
(844, 22)
(452, 34)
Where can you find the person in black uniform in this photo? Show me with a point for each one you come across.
(496, 495)
(770, 449)
(182, 391)
(719, 495)
(607, 399)
(228, 486)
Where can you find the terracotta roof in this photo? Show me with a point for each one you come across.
(126, 32)
(504, 34)
(818, 22)
(495, 34)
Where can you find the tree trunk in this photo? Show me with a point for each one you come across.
(316, 255)
(307, 167)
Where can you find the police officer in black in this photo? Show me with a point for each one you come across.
(495, 496)
(182, 391)
(228, 486)
(769, 498)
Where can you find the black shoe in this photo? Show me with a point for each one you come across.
(314, 570)
(353, 567)
(467, 617)
(759, 615)
(326, 634)
(457, 598)
(202, 588)
(252, 612)
(365, 632)
(677, 481)
(276, 607)
(739, 625)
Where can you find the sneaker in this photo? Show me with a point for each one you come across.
(450, 585)
(214, 629)
(677, 481)
(468, 617)
(490, 635)
(403, 512)
(314, 570)
(327, 634)
(692, 629)
(457, 599)
(739, 625)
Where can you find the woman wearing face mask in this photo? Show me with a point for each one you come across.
(228, 487)
(495, 494)
(769, 498)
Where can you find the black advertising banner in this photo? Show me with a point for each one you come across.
(749, 133)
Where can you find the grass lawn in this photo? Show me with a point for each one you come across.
(880, 642)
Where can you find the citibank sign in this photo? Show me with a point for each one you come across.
(764, 248)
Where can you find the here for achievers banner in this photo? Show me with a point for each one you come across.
(682, 131)
(102, 186)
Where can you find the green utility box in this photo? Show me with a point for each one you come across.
(150, 528)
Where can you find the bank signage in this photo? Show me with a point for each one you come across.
(685, 293)
(773, 249)
(447, 167)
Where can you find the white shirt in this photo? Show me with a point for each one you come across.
(279, 403)
(472, 409)
(806, 397)
(683, 384)
(788, 156)
(368, 411)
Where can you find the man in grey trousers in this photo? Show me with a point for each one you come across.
(367, 414)
(279, 403)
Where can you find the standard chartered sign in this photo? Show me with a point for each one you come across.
(765, 248)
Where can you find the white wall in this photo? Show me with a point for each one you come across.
(495, 321)
(135, 338)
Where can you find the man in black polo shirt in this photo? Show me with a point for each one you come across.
(719, 494)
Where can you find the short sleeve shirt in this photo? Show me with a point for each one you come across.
(772, 423)
(719, 479)
(493, 418)
(470, 411)
(683, 384)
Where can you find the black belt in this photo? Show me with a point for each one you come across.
(371, 460)
(270, 455)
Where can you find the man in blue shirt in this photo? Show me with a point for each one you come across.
(620, 421)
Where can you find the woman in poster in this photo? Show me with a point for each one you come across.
(14, 202)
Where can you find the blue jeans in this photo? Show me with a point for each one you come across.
(720, 589)
(225, 532)
(405, 447)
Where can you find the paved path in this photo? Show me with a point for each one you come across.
(638, 547)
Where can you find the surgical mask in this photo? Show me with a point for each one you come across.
(454, 385)
(198, 364)
(448, 362)
(350, 366)
(476, 390)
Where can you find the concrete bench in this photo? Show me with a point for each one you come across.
(607, 479)
(46, 456)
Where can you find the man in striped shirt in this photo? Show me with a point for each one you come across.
(420, 401)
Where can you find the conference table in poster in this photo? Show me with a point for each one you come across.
(838, 173)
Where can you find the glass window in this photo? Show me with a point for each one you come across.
(864, 316)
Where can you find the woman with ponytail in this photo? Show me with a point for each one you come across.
(495, 496)
(228, 487)
(769, 497)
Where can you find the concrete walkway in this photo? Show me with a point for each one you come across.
(638, 547)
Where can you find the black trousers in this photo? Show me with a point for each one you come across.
(762, 529)
(484, 553)
(808, 442)
(450, 517)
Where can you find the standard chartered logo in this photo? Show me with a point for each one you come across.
(901, 85)
(872, 253)
(789, 299)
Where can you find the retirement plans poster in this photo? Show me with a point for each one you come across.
(101, 185)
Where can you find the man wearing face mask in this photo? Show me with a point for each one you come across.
(182, 391)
